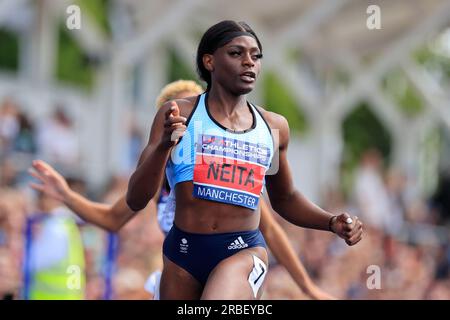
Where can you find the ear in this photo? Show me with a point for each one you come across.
(208, 62)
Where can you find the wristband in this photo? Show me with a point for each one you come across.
(330, 222)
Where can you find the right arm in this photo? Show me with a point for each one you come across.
(168, 126)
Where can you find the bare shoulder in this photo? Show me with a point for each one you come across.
(274, 120)
(278, 124)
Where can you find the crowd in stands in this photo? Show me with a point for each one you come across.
(404, 254)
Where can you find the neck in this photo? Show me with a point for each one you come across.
(224, 102)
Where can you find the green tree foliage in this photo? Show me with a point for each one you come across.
(432, 59)
(9, 50)
(405, 96)
(98, 11)
(362, 130)
(177, 68)
(73, 66)
(278, 99)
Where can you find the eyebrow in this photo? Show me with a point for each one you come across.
(242, 47)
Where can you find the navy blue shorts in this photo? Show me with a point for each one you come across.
(199, 254)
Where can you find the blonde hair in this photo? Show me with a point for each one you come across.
(173, 89)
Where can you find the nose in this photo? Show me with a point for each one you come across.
(248, 61)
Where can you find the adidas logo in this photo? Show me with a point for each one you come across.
(238, 244)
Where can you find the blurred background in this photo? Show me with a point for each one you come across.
(369, 112)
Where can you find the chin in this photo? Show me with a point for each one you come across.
(244, 89)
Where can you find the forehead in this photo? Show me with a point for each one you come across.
(243, 41)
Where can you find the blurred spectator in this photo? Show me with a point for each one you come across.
(12, 219)
(412, 267)
(95, 287)
(9, 126)
(57, 140)
(280, 286)
(25, 138)
(56, 263)
(441, 198)
(140, 243)
(95, 250)
(17, 144)
(8, 173)
(440, 285)
(133, 146)
(395, 188)
(370, 194)
(128, 285)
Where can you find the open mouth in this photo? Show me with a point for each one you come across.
(248, 76)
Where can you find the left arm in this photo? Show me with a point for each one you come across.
(281, 248)
(292, 205)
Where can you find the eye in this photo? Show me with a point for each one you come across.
(235, 53)
(257, 56)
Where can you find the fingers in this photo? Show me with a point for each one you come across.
(352, 224)
(46, 191)
(173, 111)
(344, 216)
(168, 112)
(350, 229)
(346, 221)
(174, 124)
(36, 186)
(37, 165)
(46, 174)
(174, 121)
(354, 227)
(43, 175)
(357, 226)
(175, 130)
(36, 175)
(177, 134)
(46, 170)
(41, 166)
(350, 243)
(355, 235)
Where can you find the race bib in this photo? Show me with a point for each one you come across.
(230, 170)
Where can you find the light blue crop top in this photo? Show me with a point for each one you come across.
(225, 166)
